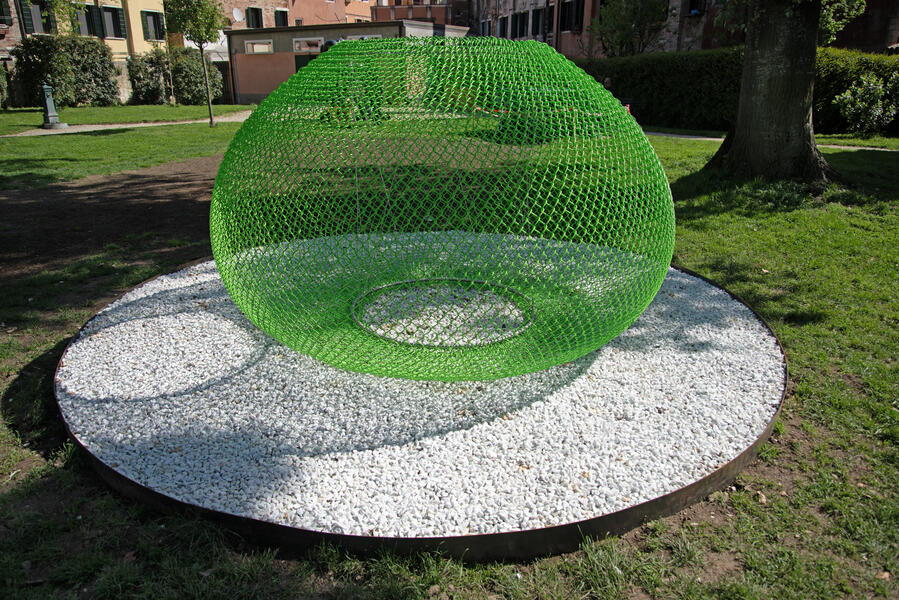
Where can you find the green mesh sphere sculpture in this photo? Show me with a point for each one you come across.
(448, 209)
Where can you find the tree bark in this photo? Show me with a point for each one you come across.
(206, 78)
(773, 135)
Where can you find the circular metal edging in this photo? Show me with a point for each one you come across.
(509, 545)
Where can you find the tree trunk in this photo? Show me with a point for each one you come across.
(206, 78)
(773, 135)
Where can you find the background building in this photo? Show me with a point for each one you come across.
(261, 60)
(559, 24)
(330, 12)
(128, 27)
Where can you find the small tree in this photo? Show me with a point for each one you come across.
(199, 21)
(627, 27)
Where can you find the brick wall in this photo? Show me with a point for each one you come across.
(13, 34)
(268, 11)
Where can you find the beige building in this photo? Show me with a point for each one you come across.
(128, 27)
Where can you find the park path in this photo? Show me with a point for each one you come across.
(241, 116)
(720, 139)
(235, 117)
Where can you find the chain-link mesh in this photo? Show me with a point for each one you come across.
(450, 209)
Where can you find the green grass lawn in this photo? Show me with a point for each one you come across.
(20, 119)
(40, 160)
(815, 517)
(836, 139)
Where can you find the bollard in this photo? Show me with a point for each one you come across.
(51, 118)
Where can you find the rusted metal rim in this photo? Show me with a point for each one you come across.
(511, 545)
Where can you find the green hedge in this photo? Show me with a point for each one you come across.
(700, 90)
(79, 68)
(837, 70)
(149, 83)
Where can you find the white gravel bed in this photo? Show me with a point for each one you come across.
(172, 387)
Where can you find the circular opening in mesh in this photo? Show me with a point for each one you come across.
(444, 312)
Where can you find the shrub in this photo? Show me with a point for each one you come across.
(149, 84)
(147, 73)
(79, 69)
(700, 89)
(868, 106)
(187, 77)
(836, 71)
(4, 86)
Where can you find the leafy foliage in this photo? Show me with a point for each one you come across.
(693, 90)
(868, 106)
(627, 27)
(187, 77)
(198, 20)
(4, 85)
(79, 69)
(147, 75)
(835, 14)
(700, 90)
(149, 84)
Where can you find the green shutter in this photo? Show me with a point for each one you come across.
(25, 15)
(143, 22)
(160, 23)
(123, 28)
(96, 17)
(5, 13)
(51, 17)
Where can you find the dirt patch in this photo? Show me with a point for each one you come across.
(58, 225)
(720, 565)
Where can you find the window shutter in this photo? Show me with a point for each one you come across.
(143, 22)
(51, 17)
(96, 17)
(123, 29)
(25, 16)
(5, 13)
(160, 25)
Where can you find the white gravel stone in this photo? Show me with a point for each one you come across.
(175, 389)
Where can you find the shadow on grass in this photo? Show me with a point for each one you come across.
(29, 404)
(28, 172)
(866, 177)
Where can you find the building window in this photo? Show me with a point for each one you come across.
(280, 17)
(572, 16)
(114, 22)
(522, 29)
(503, 28)
(259, 47)
(89, 21)
(154, 25)
(298, 22)
(308, 45)
(254, 18)
(36, 17)
(536, 22)
(5, 13)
